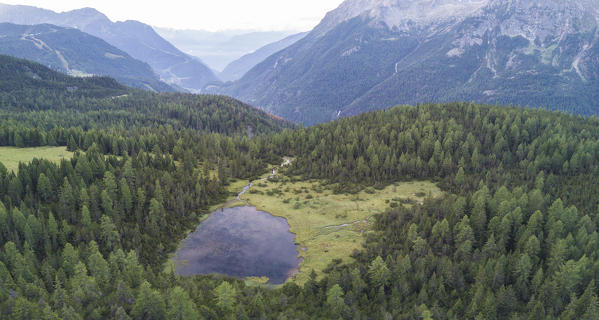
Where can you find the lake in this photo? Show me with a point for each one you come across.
(240, 242)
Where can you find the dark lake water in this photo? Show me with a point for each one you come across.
(240, 242)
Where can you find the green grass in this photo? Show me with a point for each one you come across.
(234, 187)
(11, 156)
(327, 226)
(256, 281)
(330, 226)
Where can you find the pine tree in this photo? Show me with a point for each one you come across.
(108, 234)
(379, 273)
(335, 298)
(126, 197)
(459, 177)
(44, 188)
(225, 296)
(180, 306)
(149, 304)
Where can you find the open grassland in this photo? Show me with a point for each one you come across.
(11, 156)
(329, 226)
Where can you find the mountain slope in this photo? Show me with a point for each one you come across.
(76, 53)
(24, 80)
(236, 69)
(28, 87)
(375, 54)
(137, 39)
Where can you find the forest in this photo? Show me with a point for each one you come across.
(514, 236)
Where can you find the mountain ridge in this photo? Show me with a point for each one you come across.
(137, 39)
(76, 53)
(535, 53)
(236, 69)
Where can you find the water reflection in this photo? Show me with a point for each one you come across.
(240, 242)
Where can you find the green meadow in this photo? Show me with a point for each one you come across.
(11, 156)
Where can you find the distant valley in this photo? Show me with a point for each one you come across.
(238, 68)
(217, 49)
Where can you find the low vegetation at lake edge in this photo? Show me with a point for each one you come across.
(330, 226)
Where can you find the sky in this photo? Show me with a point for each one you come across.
(211, 15)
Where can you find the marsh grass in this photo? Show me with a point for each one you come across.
(330, 226)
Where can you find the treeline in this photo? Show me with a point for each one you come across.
(88, 238)
(515, 236)
(39, 106)
(215, 114)
(26, 83)
(511, 145)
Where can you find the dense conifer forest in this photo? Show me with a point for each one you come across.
(515, 235)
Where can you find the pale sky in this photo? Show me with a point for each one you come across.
(213, 15)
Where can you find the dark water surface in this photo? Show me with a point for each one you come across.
(240, 242)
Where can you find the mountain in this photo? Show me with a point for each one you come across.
(218, 49)
(137, 39)
(25, 80)
(236, 69)
(76, 53)
(374, 54)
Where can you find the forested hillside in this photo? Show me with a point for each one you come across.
(514, 235)
(80, 236)
(37, 98)
(22, 80)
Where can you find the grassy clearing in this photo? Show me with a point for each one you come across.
(234, 187)
(329, 226)
(11, 156)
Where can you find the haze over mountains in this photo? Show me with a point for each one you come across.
(137, 39)
(374, 54)
(217, 49)
(238, 68)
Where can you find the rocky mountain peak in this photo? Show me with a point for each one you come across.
(406, 14)
(401, 14)
(528, 52)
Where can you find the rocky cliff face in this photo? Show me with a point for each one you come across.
(402, 15)
(372, 54)
(549, 27)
